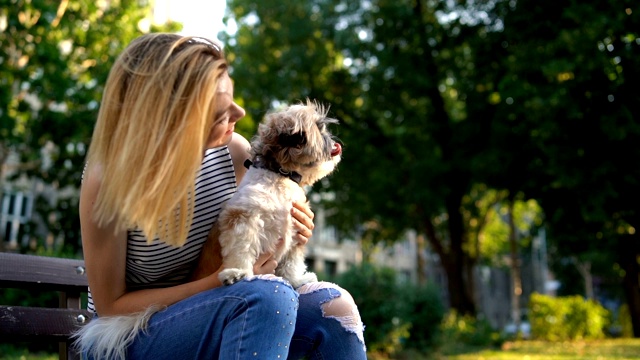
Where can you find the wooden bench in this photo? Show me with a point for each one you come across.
(36, 273)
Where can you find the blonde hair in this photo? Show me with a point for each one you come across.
(156, 113)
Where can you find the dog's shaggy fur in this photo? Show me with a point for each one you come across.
(293, 149)
(108, 337)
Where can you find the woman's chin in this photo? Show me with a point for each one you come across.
(223, 141)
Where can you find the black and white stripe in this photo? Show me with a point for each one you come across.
(156, 264)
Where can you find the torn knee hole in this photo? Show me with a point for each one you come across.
(340, 307)
(344, 310)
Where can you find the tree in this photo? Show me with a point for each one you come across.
(532, 98)
(387, 67)
(55, 60)
(572, 87)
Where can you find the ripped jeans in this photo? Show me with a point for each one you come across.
(255, 319)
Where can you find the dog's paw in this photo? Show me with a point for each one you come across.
(231, 276)
(303, 279)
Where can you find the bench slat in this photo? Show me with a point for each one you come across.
(54, 324)
(43, 273)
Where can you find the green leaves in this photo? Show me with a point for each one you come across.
(55, 60)
(534, 101)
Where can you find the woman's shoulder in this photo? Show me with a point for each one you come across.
(239, 148)
(91, 177)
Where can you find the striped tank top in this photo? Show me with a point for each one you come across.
(156, 264)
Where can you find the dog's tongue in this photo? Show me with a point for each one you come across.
(337, 149)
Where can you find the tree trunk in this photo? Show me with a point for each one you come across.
(453, 263)
(629, 254)
(469, 266)
(516, 277)
(366, 248)
(585, 271)
(4, 155)
(465, 302)
(422, 262)
(453, 258)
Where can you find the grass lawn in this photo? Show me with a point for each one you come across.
(619, 349)
(25, 355)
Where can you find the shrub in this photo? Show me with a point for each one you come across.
(424, 310)
(396, 315)
(374, 289)
(624, 321)
(585, 319)
(566, 318)
(460, 332)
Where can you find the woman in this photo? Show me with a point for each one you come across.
(163, 159)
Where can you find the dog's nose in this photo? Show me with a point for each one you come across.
(337, 149)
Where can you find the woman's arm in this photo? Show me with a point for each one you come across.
(239, 148)
(105, 255)
(211, 257)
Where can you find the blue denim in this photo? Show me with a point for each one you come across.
(252, 319)
(320, 337)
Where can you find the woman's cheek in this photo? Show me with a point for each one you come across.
(217, 135)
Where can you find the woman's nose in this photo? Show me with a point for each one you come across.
(238, 113)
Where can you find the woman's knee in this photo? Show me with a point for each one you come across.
(339, 305)
(342, 306)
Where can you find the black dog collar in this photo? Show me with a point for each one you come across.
(294, 176)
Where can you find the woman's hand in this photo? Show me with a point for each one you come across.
(265, 264)
(303, 222)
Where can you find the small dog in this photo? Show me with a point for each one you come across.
(293, 148)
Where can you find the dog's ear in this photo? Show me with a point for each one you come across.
(293, 140)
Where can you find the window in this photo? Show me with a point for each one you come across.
(25, 206)
(12, 204)
(330, 267)
(15, 211)
(7, 230)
